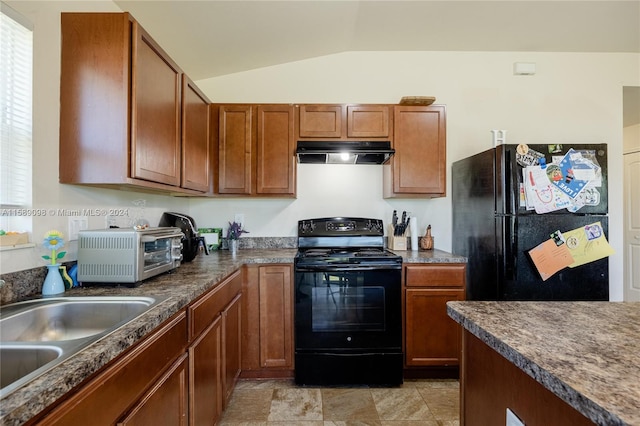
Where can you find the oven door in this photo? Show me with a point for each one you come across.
(159, 253)
(348, 308)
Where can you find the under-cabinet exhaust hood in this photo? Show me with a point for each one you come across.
(330, 152)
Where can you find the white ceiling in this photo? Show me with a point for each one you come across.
(209, 38)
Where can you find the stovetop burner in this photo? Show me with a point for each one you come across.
(340, 240)
(345, 252)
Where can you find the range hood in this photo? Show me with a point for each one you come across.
(336, 152)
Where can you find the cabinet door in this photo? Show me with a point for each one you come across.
(94, 136)
(235, 149)
(205, 376)
(431, 337)
(166, 401)
(276, 150)
(231, 346)
(155, 121)
(419, 164)
(321, 121)
(276, 316)
(196, 155)
(368, 121)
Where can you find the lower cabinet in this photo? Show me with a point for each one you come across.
(166, 401)
(231, 346)
(432, 339)
(182, 374)
(490, 384)
(151, 378)
(267, 338)
(214, 350)
(205, 375)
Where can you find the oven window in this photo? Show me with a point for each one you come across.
(340, 301)
(157, 253)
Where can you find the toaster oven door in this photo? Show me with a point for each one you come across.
(159, 254)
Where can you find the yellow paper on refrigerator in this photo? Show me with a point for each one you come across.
(587, 244)
(550, 258)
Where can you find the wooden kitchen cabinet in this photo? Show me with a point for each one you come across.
(267, 340)
(344, 122)
(256, 148)
(276, 162)
(235, 149)
(155, 115)
(196, 142)
(120, 108)
(205, 375)
(491, 383)
(231, 346)
(150, 373)
(165, 403)
(432, 339)
(214, 333)
(418, 168)
(321, 121)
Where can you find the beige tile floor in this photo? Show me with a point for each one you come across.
(281, 403)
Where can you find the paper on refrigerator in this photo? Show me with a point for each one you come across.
(540, 194)
(550, 258)
(587, 244)
(573, 173)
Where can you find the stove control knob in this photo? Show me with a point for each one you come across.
(374, 225)
(307, 227)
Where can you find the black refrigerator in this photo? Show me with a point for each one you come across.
(495, 231)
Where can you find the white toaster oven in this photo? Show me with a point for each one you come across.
(127, 256)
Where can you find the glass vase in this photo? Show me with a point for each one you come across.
(53, 283)
(233, 247)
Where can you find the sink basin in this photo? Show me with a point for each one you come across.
(20, 361)
(49, 320)
(37, 335)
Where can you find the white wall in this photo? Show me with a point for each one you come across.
(572, 98)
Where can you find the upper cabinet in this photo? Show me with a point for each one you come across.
(196, 146)
(122, 106)
(155, 112)
(418, 168)
(256, 146)
(343, 122)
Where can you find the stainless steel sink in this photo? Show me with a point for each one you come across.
(20, 361)
(37, 335)
(49, 320)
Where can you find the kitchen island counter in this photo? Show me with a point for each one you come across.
(584, 353)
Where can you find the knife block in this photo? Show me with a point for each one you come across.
(396, 242)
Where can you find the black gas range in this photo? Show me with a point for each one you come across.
(348, 325)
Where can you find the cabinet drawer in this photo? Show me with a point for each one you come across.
(204, 310)
(446, 275)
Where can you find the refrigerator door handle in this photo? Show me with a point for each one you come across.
(509, 247)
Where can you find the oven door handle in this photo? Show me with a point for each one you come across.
(154, 238)
(346, 268)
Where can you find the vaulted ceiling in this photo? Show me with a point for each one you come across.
(210, 38)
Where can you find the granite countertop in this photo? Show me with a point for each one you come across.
(179, 287)
(586, 353)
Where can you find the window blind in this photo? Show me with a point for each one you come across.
(16, 70)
